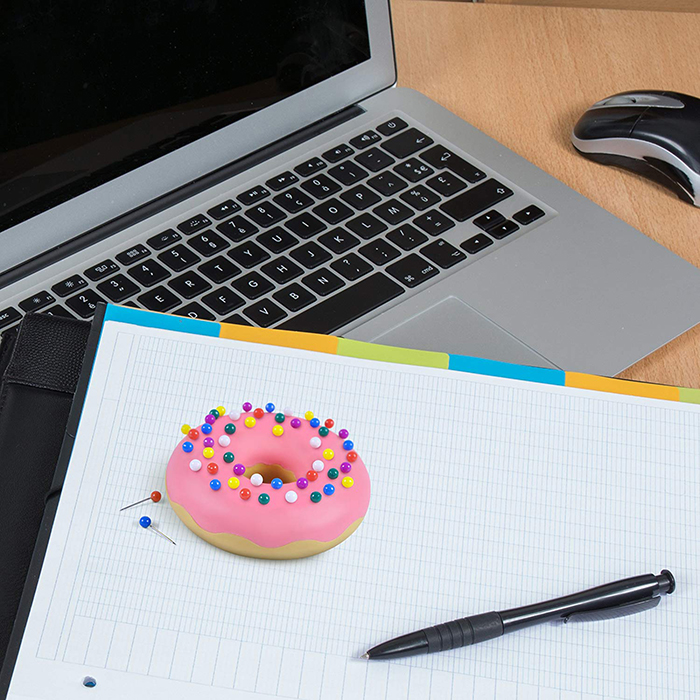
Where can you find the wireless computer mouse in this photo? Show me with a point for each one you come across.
(653, 133)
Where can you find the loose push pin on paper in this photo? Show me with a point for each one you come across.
(145, 522)
(155, 497)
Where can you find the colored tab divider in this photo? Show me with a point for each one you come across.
(385, 353)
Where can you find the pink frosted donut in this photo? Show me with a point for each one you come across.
(267, 484)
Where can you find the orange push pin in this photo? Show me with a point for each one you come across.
(155, 497)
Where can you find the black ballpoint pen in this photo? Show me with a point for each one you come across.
(625, 597)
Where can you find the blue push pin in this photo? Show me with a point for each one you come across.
(145, 522)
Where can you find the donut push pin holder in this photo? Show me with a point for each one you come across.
(145, 522)
(154, 497)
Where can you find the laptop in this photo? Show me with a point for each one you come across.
(227, 162)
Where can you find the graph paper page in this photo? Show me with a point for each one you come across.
(487, 493)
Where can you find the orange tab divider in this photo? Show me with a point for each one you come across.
(287, 339)
(621, 386)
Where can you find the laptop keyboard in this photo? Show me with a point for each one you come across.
(313, 248)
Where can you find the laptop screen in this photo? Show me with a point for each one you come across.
(92, 89)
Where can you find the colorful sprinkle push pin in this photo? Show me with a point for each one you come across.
(155, 497)
(145, 522)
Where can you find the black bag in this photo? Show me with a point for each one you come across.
(40, 366)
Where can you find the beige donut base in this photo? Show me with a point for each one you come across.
(245, 548)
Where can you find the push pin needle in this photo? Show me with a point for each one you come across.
(155, 497)
(145, 523)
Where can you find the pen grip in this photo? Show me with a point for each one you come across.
(464, 632)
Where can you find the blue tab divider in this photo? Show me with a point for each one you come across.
(168, 322)
(493, 368)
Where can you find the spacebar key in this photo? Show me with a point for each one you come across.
(476, 199)
(346, 306)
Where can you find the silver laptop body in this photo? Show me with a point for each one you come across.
(345, 206)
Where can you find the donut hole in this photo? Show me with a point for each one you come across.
(270, 472)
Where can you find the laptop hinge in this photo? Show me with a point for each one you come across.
(174, 197)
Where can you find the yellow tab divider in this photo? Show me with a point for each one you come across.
(286, 339)
(388, 353)
(620, 386)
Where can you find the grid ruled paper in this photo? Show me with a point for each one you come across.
(487, 494)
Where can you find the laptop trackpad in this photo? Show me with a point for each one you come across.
(454, 327)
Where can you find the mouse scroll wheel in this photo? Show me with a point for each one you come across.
(620, 100)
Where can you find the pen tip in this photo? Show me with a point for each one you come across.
(365, 656)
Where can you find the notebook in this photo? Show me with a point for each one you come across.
(493, 486)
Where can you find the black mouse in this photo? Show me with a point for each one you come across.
(654, 133)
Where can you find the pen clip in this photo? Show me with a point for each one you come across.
(613, 611)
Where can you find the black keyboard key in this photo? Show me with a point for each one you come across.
(277, 239)
(163, 240)
(338, 240)
(178, 258)
(219, 269)
(8, 316)
(310, 167)
(196, 223)
(446, 184)
(85, 303)
(323, 282)
(366, 226)
(443, 254)
(333, 211)
(412, 270)
(476, 199)
(364, 140)
(254, 194)
(219, 212)
(504, 229)
(374, 160)
(489, 219)
(407, 237)
(253, 285)
(393, 126)
(393, 212)
(433, 222)
(380, 252)
(58, 310)
(223, 301)
(72, 284)
(387, 183)
(360, 197)
(294, 297)
(440, 157)
(148, 273)
(238, 320)
(118, 288)
(195, 310)
(407, 143)
(189, 285)
(133, 254)
(265, 214)
(420, 197)
(293, 200)
(348, 173)
(37, 301)
(321, 186)
(528, 215)
(477, 243)
(249, 254)
(101, 270)
(413, 170)
(282, 181)
(265, 313)
(237, 229)
(159, 299)
(351, 267)
(310, 255)
(346, 306)
(305, 225)
(208, 243)
(338, 153)
(282, 270)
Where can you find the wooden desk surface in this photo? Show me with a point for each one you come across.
(523, 75)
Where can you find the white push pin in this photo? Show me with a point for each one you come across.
(155, 497)
(145, 522)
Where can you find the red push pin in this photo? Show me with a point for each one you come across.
(155, 497)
